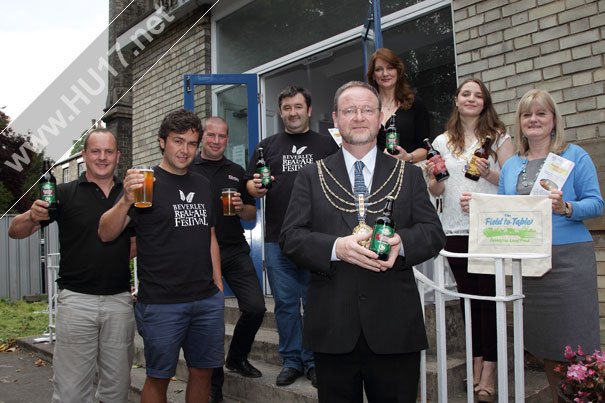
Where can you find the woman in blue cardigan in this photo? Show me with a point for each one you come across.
(560, 308)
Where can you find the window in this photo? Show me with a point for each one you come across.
(81, 168)
(65, 175)
(264, 30)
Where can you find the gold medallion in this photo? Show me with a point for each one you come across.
(363, 228)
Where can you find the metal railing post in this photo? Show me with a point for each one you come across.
(440, 338)
(501, 331)
(518, 332)
(500, 299)
(423, 392)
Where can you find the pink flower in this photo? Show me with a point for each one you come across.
(584, 376)
(569, 354)
(577, 372)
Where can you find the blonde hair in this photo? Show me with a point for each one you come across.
(543, 99)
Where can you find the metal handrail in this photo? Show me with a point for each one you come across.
(52, 270)
(500, 299)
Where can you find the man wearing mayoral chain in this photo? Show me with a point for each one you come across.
(363, 319)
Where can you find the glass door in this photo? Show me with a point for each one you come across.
(238, 105)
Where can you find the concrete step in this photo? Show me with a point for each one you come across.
(232, 312)
(536, 389)
(265, 357)
(454, 324)
(176, 388)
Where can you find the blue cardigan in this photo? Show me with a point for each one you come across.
(581, 189)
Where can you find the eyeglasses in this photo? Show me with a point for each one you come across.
(365, 111)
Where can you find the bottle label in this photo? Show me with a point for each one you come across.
(48, 192)
(471, 167)
(380, 239)
(392, 140)
(265, 175)
(439, 165)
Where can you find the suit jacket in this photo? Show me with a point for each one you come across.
(344, 299)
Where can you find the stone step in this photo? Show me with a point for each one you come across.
(238, 389)
(232, 312)
(265, 357)
(454, 323)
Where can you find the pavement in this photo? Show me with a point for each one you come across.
(25, 376)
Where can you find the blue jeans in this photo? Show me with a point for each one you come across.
(289, 288)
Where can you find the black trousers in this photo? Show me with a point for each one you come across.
(387, 378)
(239, 273)
(485, 339)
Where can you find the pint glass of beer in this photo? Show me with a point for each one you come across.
(227, 200)
(143, 197)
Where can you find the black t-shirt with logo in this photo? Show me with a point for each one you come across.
(173, 240)
(224, 173)
(285, 154)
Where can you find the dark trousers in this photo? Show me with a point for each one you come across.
(238, 271)
(483, 312)
(387, 378)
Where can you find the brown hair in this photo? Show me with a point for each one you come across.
(488, 124)
(541, 98)
(403, 91)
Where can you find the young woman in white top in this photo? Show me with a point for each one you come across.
(473, 118)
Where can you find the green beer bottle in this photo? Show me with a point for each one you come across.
(48, 187)
(383, 231)
(262, 168)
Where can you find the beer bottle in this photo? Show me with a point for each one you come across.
(472, 172)
(392, 138)
(434, 156)
(263, 169)
(48, 187)
(383, 231)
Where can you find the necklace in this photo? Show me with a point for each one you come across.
(359, 202)
(333, 198)
(524, 180)
(390, 108)
(468, 155)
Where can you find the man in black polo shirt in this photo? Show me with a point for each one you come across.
(95, 321)
(236, 264)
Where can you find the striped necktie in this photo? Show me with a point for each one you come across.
(359, 185)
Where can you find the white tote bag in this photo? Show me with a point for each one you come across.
(510, 224)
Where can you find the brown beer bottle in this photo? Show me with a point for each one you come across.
(263, 170)
(472, 172)
(48, 187)
(439, 170)
(384, 228)
(392, 138)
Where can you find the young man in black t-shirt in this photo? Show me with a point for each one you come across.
(180, 300)
(286, 153)
(95, 323)
(236, 265)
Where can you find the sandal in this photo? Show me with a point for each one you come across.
(474, 384)
(486, 395)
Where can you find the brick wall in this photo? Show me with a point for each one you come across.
(553, 45)
(160, 91)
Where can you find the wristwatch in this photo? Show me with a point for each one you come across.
(567, 210)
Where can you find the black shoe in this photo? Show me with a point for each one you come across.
(312, 376)
(244, 368)
(287, 376)
(216, 395)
